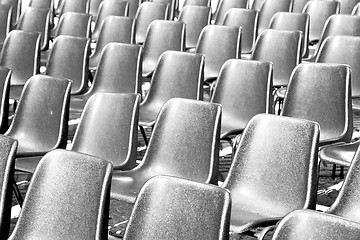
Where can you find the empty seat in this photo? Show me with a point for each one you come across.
(73, 24)
(164, 202)
(5, 22)
(223, 6)
(79, 6)
(16, 10)
(171, 7)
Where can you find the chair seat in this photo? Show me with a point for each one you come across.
(341, 154)
(27, 164)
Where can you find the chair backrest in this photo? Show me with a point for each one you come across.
(16, 10)
(193, 153)
(177, 75)
(309, 224)
(274, 170)
(5, 76)
(174, 208)
(204, 3)
(94, 7)
(343, 50)
(307, 98)
(5, 21)
(218, 44)
(109, 132)
(346, 6)
(36, 20)
(119, 69)
(72, 187)
(109, 8)
(246, 19)
(195, 18)
(356, 9)
(8, 148)
(73, 24)
(44, 4)
(244, 89)
(79, 6)
(171, 7)
(146, 13)
(113, 29)
(283, 49)
(161, 36)
(346, 204)
(223, 6)
(319, 11)
(299, 5)
(268, 9)
(69, 58)
(255, 4)
(133, 7)
(41, 118)
(293, 22)
(21, 54)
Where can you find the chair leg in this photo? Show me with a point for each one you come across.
(17, 193)
(142, 130)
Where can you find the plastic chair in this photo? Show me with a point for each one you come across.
(184, 143)
(177, 75)
(133, 7)
(146, 13)
(119, 71)
(70, 186)
(8, 148)
(225, 5)
(5, 76)
(195, 18)
(5, 22)
(36, 20)
(171, 7)
(218, 44)
(308, 224)
(79, 6)
(69, 58)
(109, 8)
(73, 24)
(298, 5)
(293, 22)
(20, 53)
(283, 49)
(16, 10)
(338, 24)
(319, 11)
(161, 36)
(204, 3)
(113, 29)
(44, 4)
(346, 6)
(94, 7)
(165, 202)
(268, 9)
(247, 20)
(267, 181)
(306, 98)
(255, 4)
(244, 89)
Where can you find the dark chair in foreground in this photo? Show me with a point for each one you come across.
(8, 148)
(164, 203)
(68, 198)
(307, 224)
(274, 171)
(184, 143)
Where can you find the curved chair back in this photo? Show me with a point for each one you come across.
(293, 22)
(343, 50)
(225, 5)
(21, 53)
(283, 49)
(204, 3)
(8, 148)
(269, 8)
(69, 58)
(110, 132)
(73, 187)
(307, 98)
(79, 6)
(161, 36)
(109, 8)
(308, 224)
(171, 7)
(255, 4)
(5, 22)
(146, 13)
(113, 29)
(184, 143)
(319, 11)
(177, 75)
(244, 89)
(299, 5)
(195, 18)
(5, 76)
(44, 4)
(274, 170)
(246, 19)
(73, 24)
(346, 6)
(218, 44)
(16, 10)
(164, 202)
(36, 20)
